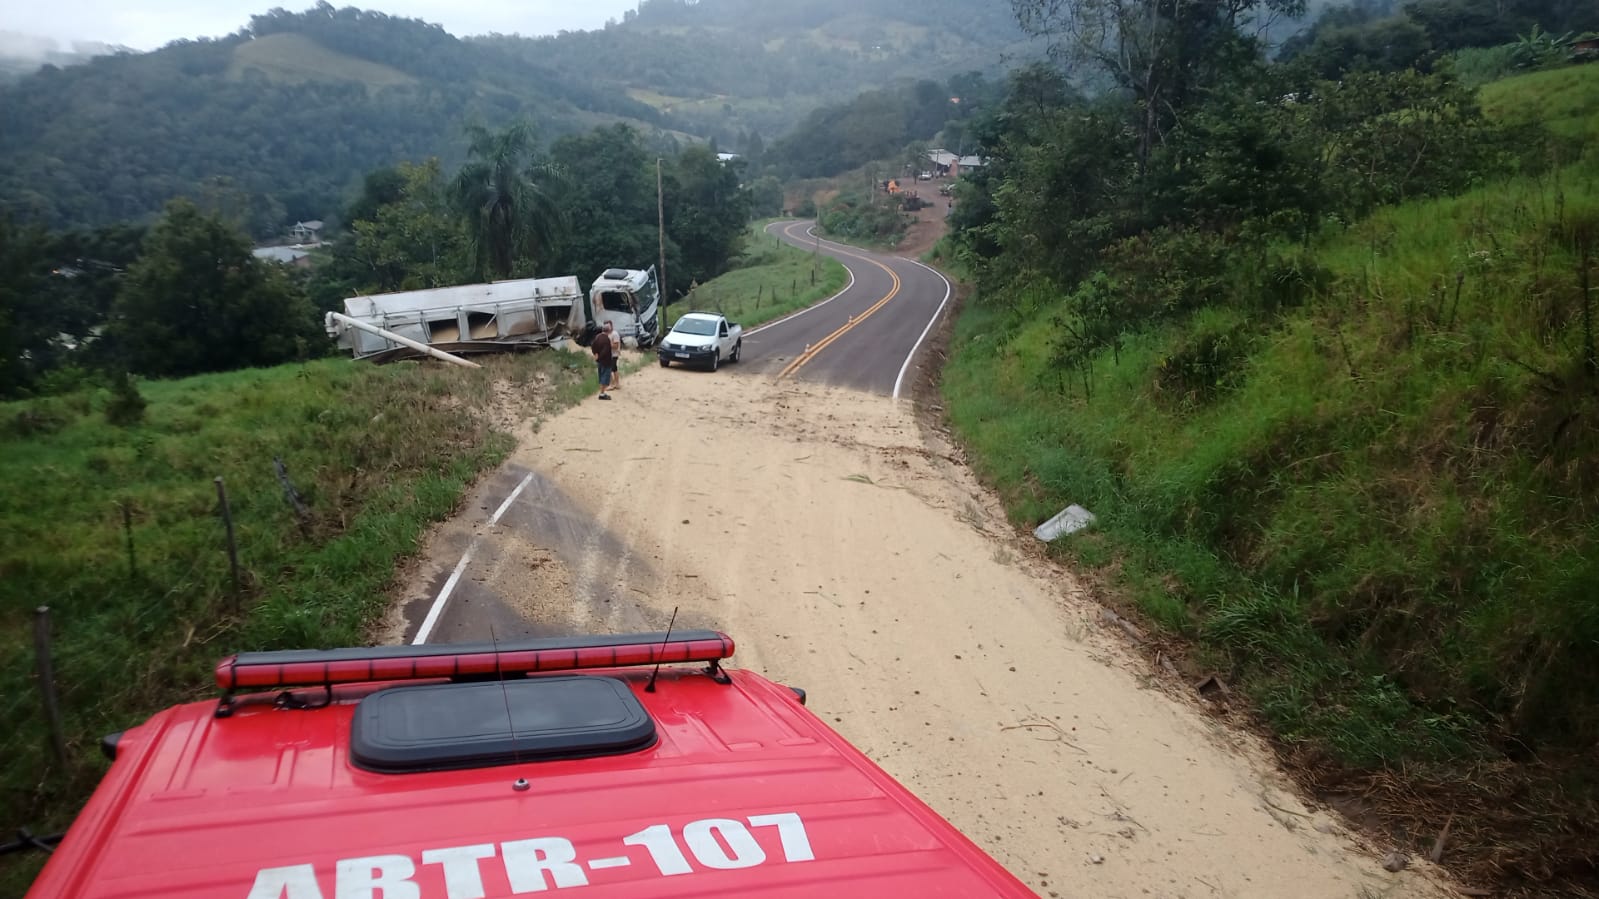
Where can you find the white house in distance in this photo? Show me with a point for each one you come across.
(307, 232)
(950, 165)
(304, 235)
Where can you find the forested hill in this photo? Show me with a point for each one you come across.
(729, 68)
(273, 122)
(278, 121)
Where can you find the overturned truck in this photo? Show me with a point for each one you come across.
(503, 316)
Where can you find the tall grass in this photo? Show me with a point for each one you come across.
(377, 452)
(1444, 492)
(1384, 517)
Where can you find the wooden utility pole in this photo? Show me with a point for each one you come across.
(660, 219)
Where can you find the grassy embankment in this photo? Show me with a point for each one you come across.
(1377, 510)
(378, 453)
(768, 280)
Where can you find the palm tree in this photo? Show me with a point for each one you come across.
(506, 193)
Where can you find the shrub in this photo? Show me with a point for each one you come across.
(126, 407)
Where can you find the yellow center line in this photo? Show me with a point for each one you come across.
(811, 351)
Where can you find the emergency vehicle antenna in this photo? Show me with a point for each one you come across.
(650, 687)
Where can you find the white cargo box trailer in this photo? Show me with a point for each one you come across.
(497, 317)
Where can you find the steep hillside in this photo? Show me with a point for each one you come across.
(279, 120)
(1358, 473)
(273, 124)
(731, 68)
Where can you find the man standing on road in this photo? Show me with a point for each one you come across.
(605, 359)
(616, 356)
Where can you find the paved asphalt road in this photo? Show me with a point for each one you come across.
(867, 336)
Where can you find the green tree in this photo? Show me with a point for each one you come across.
(197, 301)
(766, 197)
(707, 213)
(505, 192)
(55, 293)
(1384, 138)
(379, 188)
(415, 241)
(1163, 53)
(608, 195)
(22, 276)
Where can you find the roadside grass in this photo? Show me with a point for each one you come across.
(1381, 520)
(770, 280)
(1560, 100)
(378, 453)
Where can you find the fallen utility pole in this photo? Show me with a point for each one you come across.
(402, 341)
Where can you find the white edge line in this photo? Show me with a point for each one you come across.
(938, 313)
(437, 609)
(789, 318)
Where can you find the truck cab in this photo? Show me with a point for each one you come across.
(630, 300)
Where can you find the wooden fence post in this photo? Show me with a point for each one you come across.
(127, 529)
(233, 549)
(47, 680)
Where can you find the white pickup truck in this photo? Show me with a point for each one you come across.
(702, 338)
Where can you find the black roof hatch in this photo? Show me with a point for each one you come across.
(437, 727)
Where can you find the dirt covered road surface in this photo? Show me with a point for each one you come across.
(849, 553)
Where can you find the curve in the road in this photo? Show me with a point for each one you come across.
(853, 322)
(858, 341)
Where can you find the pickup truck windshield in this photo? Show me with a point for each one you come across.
(699, 327)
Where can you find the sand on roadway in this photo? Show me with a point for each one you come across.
(848, 553)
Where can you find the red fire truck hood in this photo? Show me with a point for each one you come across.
(745, 793)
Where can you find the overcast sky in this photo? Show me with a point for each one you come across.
(148, 24)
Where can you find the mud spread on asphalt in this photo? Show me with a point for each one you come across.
(849, 555)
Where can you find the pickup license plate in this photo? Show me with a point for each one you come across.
(681, 355)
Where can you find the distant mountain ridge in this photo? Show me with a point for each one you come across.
(774, 62)
(278, 121)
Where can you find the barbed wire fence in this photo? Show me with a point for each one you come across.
(63, 692)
